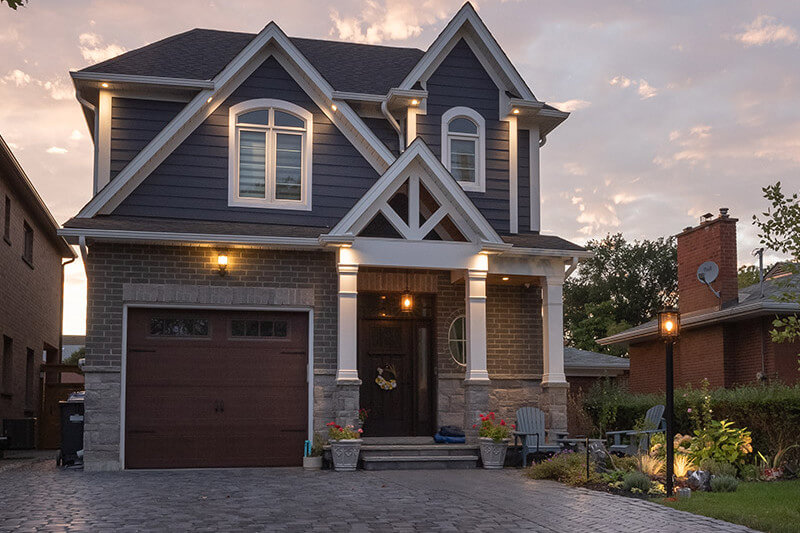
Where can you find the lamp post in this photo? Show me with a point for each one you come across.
(669, 326)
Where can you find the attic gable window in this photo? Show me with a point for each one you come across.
(464, 147)
(270, 144)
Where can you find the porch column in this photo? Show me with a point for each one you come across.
(476, 383)
(553, 399)
(345, 397)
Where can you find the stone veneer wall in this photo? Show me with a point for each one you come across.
(188, 275)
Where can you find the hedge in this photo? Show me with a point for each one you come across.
(771, 412)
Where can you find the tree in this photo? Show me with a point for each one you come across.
(14, 4)
(748, 275)
(74, 357)
(623, 285)
(779, 230)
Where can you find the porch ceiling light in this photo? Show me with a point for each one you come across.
(222, 263)
(506, 278)
(334, 108)
(516, 111)
(407, 302)
(669, 324)
(104, 85)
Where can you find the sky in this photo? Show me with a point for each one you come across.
(678, 108)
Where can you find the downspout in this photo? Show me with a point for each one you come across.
(394, 124)
(61, 312)
(542, 140)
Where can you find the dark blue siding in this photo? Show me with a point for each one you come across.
(192, 182)
(461, 80)
(134, 123)
(385, 132)
(523, 179)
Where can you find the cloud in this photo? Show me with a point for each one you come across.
(75, 135)
(93, 50)
(56, 150)
(644, 89)
(390, 20)
(575, 169)
(766, 30)
(58, 89)
(571, 105)
(624, 198)
(19, 78)
(701, 131)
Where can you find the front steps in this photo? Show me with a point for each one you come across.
(416, 453)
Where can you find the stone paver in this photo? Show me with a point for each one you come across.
(41, 497)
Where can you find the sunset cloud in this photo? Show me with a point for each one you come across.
(644, 89)
(388, 20)
(57, 150)
(93, 49)
(767, 30)
(571, 105)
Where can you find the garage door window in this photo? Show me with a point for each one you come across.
(179, 327)
(259, 328)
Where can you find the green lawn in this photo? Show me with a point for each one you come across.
(773, 507)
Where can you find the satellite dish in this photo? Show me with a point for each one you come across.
(707, 272)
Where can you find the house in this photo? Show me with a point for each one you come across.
(282, 225)
(31, 296)
(584, 368)
(71, 344)
(724, 330)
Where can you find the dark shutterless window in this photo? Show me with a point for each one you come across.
(27, 253)
(6, 381)
(7, 221)
(29, 377)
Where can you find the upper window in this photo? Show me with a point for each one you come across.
(27, 251)
(463, 147)
(7, 221)
(270, 155)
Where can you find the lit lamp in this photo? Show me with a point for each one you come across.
(222, 263)
(406, 302)
(669, 327)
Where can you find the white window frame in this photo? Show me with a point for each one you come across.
(307, 134)
(480, 141)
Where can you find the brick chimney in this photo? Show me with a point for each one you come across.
(713, 240)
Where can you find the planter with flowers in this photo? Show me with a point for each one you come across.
(345, 446)
(494, 438)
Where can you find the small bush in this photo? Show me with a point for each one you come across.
(724, 484)
(718, 468)
(627, 463)
(636, 480)
(566, 467)
(750, 473)
(651, 466)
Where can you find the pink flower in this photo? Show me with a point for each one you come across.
(689, 410)
(360, 430)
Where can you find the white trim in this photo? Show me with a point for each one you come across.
(269, 201)
(101, 77)
(513, 180)
(206, 102)
(358, 97)
(168, 236)
(475, 304)
(535, 179)
(212, 307)
(355, 219)
(480, 144)
(411, 125)
(103, 145)
(470, 21)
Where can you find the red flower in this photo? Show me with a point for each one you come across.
(513, 426)
(474, 426)
(491, 415)
(337, 426)
(502, 422)
(330, 423)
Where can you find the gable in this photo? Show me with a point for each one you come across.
(192, 182)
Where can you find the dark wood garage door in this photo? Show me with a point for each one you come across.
(215, 388)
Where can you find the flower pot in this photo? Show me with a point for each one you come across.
(493, 454)
(312, 463)
(345, 454)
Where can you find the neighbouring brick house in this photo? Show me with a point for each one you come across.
(283, 227)
(30, 290)
(725, 331)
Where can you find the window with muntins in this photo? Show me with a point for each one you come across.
(270, 155)
(463, 147)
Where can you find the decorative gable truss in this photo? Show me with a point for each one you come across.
(416, 199)
(271, 41)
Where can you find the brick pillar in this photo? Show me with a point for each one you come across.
(476, 402)
(553, 401)
(346, 404)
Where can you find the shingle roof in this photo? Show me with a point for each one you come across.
(578, 359)
(774, 287)
(547, 242)
(201, 54)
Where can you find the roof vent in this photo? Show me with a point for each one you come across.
(706, 217)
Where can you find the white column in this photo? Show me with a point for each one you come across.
(553, 329)
(411, 125)
(347, 362)
(476, 326)
(536, 217)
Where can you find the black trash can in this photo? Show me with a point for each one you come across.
(71, 430)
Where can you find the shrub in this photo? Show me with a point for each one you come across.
(681, 465)
(750, 472)
(627, 463)
(722, 442)
(566, 467)
(724, 484)
(717, 468)
(636, 480)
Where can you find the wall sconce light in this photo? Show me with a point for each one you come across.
(516, 111)
(104, 85)
(222, 263)
(414, 102)
(506, 278)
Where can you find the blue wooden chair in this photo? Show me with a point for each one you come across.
(531, 431)
(639, 440)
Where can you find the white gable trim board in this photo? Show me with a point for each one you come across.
(270, 42)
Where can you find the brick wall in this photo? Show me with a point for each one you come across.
(30, 300)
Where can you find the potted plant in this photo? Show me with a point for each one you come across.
(313, 461)
(494, 438)
(345, 446)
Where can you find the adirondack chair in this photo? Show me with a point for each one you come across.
(531, 431)
(639, 440)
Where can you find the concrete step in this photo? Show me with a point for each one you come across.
(398, 440)
(425, 450)
(419, 462)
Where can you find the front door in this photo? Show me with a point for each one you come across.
(395, 366)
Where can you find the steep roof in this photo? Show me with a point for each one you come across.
(200, 54)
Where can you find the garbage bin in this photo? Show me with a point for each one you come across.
(71, 430)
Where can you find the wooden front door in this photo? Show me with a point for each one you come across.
(398, 350)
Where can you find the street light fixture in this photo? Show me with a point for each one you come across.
(669, 328)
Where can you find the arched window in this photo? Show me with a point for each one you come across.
(269, 155)
(464, 147)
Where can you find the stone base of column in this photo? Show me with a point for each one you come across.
(553, 401)
(476, 403)
(346, 404)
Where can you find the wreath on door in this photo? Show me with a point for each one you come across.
(387, 378)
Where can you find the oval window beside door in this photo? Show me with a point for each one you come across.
(457, 341)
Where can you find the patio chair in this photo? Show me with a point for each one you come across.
(531, 431)
(639, 439)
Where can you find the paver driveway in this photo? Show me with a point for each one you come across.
(41, 497)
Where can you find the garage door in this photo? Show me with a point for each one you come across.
(215, 389)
